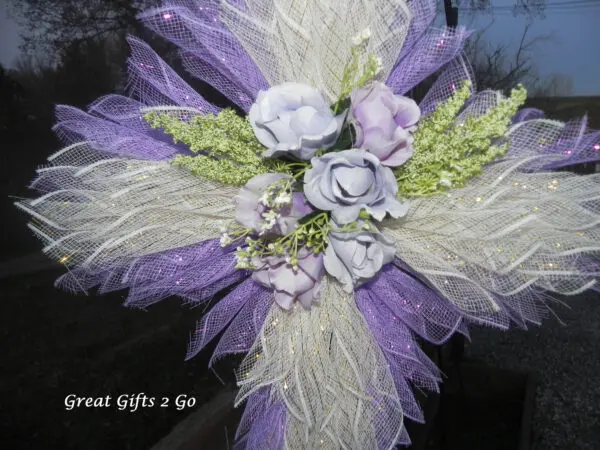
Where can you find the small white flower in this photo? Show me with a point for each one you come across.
(265, 200)
(225, 240)
(379, 64)
(362, 37)
(283, 199)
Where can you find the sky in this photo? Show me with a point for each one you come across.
(575, 50)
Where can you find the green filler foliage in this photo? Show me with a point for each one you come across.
(231, 154)
(448, 154)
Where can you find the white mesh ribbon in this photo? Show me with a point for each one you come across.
(497, 243)
(327, 369)
(106, 210)
(309, 41)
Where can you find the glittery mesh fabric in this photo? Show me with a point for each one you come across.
(75, 126)
(340, 375)
(423, 16)
(195, 273)
(525, 114)
(327, 369)
(450, 79)
(209, 50)
(108, 211)
(431, 52)
(154, 83)
(223, 313)
(310, 41)
(268, 431)
(490, 248)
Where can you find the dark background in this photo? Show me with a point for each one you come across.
(55, 344)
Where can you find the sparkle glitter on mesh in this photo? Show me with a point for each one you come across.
(116, 213)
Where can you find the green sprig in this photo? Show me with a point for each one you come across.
(231, 154)
(351, 79)
(447, 154)
(311, 233)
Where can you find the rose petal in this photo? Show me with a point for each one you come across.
(377, 116)
(284, 299)
(312, 265)
(264, 136)
(262, 277)
(407, 113)
(300, 206)
(359, 256)
(399, 157)
(294, 120)
(307, 298)
(281, 129)
(337, 269)
(284, 278)
(309, 121)
(346, 215)
(355, 181)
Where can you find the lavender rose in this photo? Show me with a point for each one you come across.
(348, 181)
(293, 119)
(266, 204)
(302, 283)
(384, 123)
(354, 258)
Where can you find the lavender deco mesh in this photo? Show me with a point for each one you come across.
(76, 126)
(210, 51)
(423, 16)
(223, 313)
(525, 114)
(154, 83)
(481, 255)
(454, 74)
(432, 51)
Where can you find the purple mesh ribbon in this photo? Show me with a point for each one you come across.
(196, 273)
(452, 78)
(255, 408)
(241, 334)
(395, 305)
(75, 126)
(576, 145)
(423, 15)
(154, 83)
(115, 124)
(430, 53)
(262, 424)
(223, 313)
(268, 431)
(525, 114)
(126, 112)
(211, 52)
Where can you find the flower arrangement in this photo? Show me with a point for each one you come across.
(331, 223)
(314, 198)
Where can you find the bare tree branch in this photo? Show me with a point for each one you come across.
(496, 68)
(50, 25)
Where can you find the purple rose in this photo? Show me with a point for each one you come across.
(384, 123)
(348, 181)
(354, 258)
(264, 209)
(302, 283)
(294, 119)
